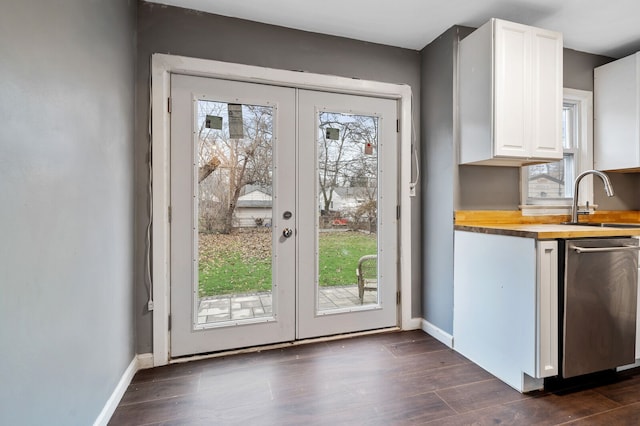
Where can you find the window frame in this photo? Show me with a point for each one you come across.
(583, 159)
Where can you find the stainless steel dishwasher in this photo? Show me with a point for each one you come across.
(598, 304)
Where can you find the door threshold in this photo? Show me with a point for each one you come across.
(253, 349)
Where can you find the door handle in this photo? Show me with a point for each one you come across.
(287, 232)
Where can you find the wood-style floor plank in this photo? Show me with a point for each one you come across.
(629, 415)
(477, 395)
(399, 378)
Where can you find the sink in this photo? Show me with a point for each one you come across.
(604, 225)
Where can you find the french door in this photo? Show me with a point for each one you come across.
(283, 214)
(347, 200)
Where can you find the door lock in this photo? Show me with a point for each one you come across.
(287, 232)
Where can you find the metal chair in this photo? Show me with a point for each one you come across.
(367, 273)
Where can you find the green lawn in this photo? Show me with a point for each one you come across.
(233, 275)
(242, 263)
(339, 254)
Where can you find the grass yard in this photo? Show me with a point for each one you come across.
(339, 254)
(241, 262)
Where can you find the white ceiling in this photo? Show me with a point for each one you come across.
(610, 28)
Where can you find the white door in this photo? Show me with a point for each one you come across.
(256, 258)
(347, 213)
(232, 276)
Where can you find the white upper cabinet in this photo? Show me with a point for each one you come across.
(510, 95)
(616, 144)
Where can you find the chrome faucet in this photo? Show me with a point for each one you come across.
(608, 188)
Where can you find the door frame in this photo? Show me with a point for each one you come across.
(162, 66)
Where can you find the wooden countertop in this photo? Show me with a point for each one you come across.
(509, 222)
(548, 231)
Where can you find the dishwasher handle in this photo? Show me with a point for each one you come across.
(579, 249)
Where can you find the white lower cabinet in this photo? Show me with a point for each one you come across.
(506, 306)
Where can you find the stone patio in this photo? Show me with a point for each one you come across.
(245, 306)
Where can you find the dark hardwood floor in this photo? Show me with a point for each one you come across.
(383, 379)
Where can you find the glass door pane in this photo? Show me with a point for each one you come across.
(347, 211)
(234, 205)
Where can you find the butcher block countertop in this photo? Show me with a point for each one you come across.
(545, 227)
(549, 231)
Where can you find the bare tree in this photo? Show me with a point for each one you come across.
(346, 153)
(237, 161)
(334, 136)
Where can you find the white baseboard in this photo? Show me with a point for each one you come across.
(118, 392)
(437, 333)
(145, 361)
(139, 362)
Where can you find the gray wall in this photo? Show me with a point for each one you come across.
(627, 189)
(578, 68)
(163, 29)
(439, 177)
(66, 215)
(447, 187)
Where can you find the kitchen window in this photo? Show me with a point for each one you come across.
(548, 188)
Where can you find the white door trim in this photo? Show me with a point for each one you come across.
(162, 66)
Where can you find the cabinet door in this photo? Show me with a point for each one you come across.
(616, 114)
(512, 80)
(546, 94)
